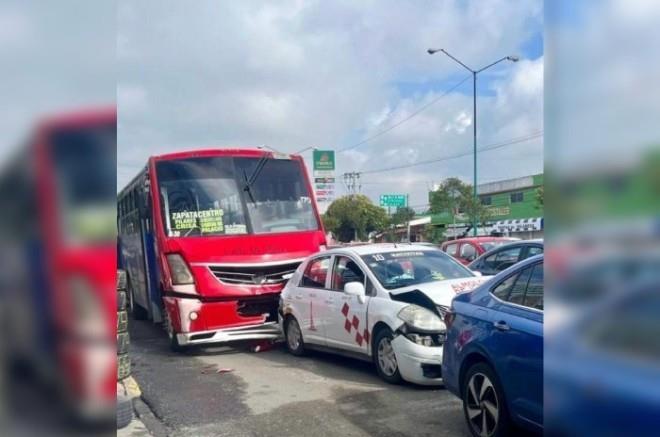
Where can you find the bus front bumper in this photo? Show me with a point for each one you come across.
(262, 331)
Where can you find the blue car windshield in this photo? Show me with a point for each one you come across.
(401, 269)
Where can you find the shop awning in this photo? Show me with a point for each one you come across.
(519, 225)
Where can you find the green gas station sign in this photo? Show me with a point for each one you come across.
(324, 159)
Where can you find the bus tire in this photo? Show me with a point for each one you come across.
(175, 346)
(121, 279)
(123, 366)
(122, 321)
(121, 300)
(123, 341)
(124, 411)
(137, 311)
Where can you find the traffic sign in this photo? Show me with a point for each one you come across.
(396, 200)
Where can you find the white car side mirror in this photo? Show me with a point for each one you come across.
(476, 273)
(355, 289)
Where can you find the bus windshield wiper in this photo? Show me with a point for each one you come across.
(247, 188)
(249, 182)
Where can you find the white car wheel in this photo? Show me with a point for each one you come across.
(385, 358)
(294, 339)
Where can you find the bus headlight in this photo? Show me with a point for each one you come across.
(88, 314)
(179, 270)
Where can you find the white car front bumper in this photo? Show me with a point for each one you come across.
(418, 364)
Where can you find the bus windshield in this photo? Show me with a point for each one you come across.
(85, 167)
(232, 196)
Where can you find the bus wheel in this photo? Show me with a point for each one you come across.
(171, 334)
(137, 311)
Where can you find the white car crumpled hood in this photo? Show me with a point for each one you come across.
(442, 292)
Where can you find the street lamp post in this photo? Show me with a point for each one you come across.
(474, 112)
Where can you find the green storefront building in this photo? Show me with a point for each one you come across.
(514, 205)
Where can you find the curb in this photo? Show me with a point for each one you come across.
(142, 410)
(150, 420)
(131, 387)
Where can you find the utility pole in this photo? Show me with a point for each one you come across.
(353, 186)
(474, 113)
(352, 182)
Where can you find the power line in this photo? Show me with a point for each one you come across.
(399, 123)
(460, 155)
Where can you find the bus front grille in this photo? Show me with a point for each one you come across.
(255, 275)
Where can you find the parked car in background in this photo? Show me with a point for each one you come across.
(380, 302)
(467, 250)
(493, 355)
(503, 257)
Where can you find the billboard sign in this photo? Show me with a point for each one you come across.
(324, 177)
(324, 160)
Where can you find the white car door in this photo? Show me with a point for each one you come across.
(346, 315)
(308, 299)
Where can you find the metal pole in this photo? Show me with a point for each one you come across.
(474, 130)
(474, 114)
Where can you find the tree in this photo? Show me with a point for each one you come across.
(402, 215)
(450, 196)
(434, 234)
(354, 216)
(539, 197)
(454, 196)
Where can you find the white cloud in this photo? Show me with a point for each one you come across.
(310, 73)
(132, 100)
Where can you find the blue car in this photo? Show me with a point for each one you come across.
(601, 371)
(493, 355)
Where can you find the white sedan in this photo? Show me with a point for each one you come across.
(380, 302)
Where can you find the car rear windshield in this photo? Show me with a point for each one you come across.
(404, 268)
(489, 245)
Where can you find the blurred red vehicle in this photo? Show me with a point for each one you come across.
(209, 238)
(467, 250)
(59, 259)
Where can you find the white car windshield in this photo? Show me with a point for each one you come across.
(405, 268)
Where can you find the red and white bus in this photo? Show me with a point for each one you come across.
(58, 258)
(209, 238)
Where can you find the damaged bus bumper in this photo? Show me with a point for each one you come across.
(263, 331)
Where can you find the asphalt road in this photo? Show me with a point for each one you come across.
(273, 393)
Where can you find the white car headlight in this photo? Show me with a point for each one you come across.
(179, 269)
(420, 318)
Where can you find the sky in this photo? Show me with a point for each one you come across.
(54, 57)
(298, 74)
(294, 74)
